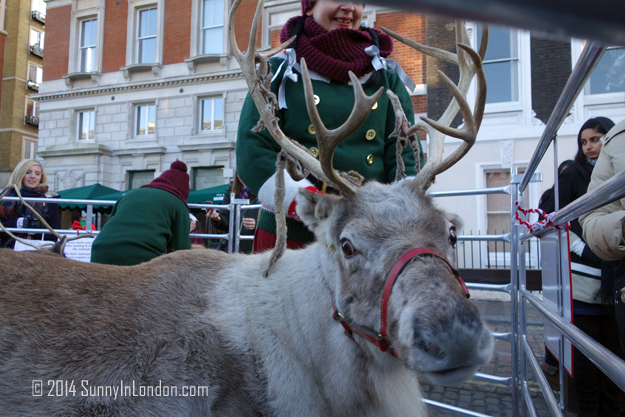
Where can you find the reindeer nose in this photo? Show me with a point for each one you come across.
(429, 347)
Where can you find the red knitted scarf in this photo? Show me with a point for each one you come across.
(334, 53)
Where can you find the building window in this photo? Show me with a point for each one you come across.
(501, 64)
(146, 120)
(31, 116)
(146, 36)
(609, 75)
(211, 114)
(212, 26)
(36, 38)
(32, 107)
(88, 45)
(30, 149)
(35, 76)
(38, 5)
(137, 179)
(38, 10)
(36, 42)
(86, 125)
(207, 177)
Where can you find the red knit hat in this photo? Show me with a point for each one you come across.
(175, 180)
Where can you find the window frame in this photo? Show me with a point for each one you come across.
(132, 50)
(82, 48)
(134, 124)
(587, 92)
(91, 13)
(32, 144)
(77, 124)
(199, 112)
(195, 170)
(197, 38)
(141, 39)
(35, 107)
(41, 9)
(42, 35)
(131, 174)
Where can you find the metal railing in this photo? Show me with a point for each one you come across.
(235, 208)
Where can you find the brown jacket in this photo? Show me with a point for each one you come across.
(603, 227)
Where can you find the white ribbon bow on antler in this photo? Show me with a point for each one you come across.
(288, 73)
(391, 66)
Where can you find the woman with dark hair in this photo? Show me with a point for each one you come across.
(332, 41)
(597, 395)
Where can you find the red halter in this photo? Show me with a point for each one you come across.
(380, 338)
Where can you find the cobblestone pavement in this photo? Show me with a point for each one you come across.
(485, 397)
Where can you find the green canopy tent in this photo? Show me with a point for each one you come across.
(112, 196)
(89, 192)
(212, 194)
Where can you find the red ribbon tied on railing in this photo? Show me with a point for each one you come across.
(533, 227)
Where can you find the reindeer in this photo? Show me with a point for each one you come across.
(343, 327)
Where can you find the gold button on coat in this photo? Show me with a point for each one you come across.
(370, 159)
(317, 99)
(315, 152)
(311, 129)
(370, 134)
(375, 106)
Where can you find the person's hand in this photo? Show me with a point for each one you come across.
(249, 223)
(214, 215)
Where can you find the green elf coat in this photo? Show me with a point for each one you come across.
(136, 234)
(368, 151)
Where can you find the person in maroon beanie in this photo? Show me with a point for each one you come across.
(330, 37)
(147, 222)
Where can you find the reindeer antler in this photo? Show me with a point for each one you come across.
(470, 64)
(327, 140)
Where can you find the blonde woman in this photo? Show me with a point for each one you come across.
(32, 181)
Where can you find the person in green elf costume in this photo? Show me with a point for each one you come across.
(333, 42)
(147, 222)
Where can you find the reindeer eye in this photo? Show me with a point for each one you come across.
(452, 237)
(347, 247)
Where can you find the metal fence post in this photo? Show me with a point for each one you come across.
(514, 292)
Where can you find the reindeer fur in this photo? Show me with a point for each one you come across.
(264, 347)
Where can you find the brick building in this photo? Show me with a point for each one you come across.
(22, 28)
(131, 85)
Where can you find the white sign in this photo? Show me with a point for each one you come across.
(79, 249)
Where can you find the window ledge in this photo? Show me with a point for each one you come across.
(84, 75)
(207, 146)
(75, 148)
(139, 150)
(130, 69)
(223, 59)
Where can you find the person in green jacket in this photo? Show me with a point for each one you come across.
(333, 42)
(147, 222)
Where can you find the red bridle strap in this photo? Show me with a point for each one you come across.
(380, 339)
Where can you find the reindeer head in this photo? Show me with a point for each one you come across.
(432, 327)
(427, 320)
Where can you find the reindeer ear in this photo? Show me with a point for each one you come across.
(455, 220)
(315, 208)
